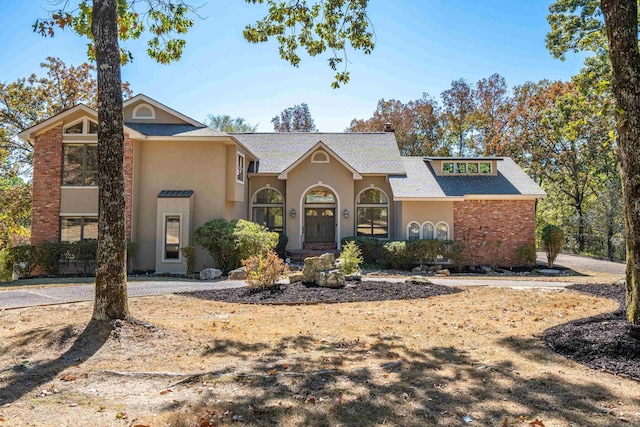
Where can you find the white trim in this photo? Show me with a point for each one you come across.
(422, 230)
(324, 153)
(80, 141)
(79, 187)
(244, 167)
(164, 239)
(27, 134)
(318, 145)
(85, 127)
(372, 187)
(94, 214)
(435, 231)
(373, 205)
(419, 229)
(163, 107)
(338, 214)
(266, 205)
(135, 115)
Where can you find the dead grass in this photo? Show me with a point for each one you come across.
(410, 363)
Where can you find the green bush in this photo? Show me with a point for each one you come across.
(5, 273)
(53, 257)
(21, 260)
(396, 255)
(425, 251)
(453, 251)
(253, 239)
(216, 236)
(84, 256)
(264, 270)
(526, 255)
(350, 258)
(370, 247)
(189, 254)
(282, 245)
(553, 241)
(132, 253)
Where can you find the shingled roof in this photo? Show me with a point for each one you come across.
(421, 182)
(365, 152)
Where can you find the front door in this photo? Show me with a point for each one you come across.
(319, 225)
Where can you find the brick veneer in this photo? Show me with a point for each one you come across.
(492, 230)
(47, 178)
(47, 174)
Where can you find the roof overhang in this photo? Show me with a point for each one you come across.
(320, 145)
(30, 133)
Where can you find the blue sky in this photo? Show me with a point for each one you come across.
(422, 45)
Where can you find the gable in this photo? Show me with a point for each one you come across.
(322, 155)
(142, 109)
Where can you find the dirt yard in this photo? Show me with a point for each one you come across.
(471, 358)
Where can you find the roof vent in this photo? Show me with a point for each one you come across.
(387, 127)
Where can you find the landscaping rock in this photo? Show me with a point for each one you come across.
(416, 270)
(331, 279)
(486, 270)
(210, 274)
(353, 277)
(314, 265)
(238, 274)
(549, 272)
(296, 276)
(418, 280)
(444, 272)
(294, 267)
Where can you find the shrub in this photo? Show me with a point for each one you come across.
(53, 257)
(21, 260)
(189, 254)
(253, 239)
(263, 271)
(425, 251)
(369, 246)
(5, 273)
(84, 256)
(216, 236)
(350, 258)
(132, 253)
(453, 251)
(396, 255)
(282, 245)
(526, 255)
(553, 241)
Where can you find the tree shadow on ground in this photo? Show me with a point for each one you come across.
(395, 384)
(23, 381)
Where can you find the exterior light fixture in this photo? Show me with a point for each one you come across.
(293, 213)
(346, 213)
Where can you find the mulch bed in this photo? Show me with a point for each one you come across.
(605, 342)
(299, 293)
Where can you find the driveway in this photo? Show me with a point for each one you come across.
(583, 264)
(28, 297)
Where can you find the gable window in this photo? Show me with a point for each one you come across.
(172, 237)
(144, 111)
(268, 209)
(84, 126)
(78, 229)
(240, 168)
(413, 231)
(373, 213)
(80, 164)
(320, 157)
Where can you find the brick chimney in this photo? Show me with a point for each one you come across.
(387, 127)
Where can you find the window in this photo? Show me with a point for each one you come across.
(268, 209)
(83, 127)
(447, 168)
(320, 157)
(78, 229)
(427, 231)
(80, 164)
(172, 238)
(461, 168)
(240, 165)
(77, 128)
(144, 111)
(93, 127)
(442, 231)
(320, 195)
(485, 167)
(472, 168)
(373, 214)
(413, 231)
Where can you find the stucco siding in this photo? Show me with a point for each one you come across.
(422, 212)
(78, 200)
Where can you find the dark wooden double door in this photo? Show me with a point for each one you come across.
(319, 225)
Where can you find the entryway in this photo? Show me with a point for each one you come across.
(320, 219)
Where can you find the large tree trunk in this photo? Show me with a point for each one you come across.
(621, 22)
(111, 279)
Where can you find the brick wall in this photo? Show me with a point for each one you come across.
(47, 174)
(492, 230)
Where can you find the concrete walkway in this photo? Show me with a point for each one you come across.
(33, 296)
(583, 264)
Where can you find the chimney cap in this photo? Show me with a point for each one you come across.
(387, 127)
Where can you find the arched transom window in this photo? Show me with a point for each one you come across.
(268, 209)
(320, 195)
(373, 213)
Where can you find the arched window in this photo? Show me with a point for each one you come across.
(442, 231)
(320, 157)
(413, 231)
(268, 209)
(321, 196)
(373, 213)
(427, 231)
(144, 111)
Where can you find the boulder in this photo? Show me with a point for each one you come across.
(549, 271)
(486, 270)
(444, 272)
(418, 280)
(353, 277)
(294, 267)
(210, 274)
(314, 265)
(331, 279)
(416, 270)
(296, 276)
(238, 274)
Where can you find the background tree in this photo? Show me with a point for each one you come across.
(490, 116)
(294, 119)
(457, 114)
(225, 123)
